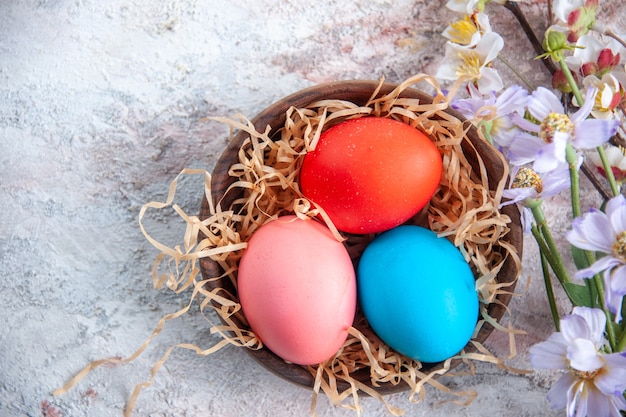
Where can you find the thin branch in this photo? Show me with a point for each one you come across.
(521, 18)
(606, 195)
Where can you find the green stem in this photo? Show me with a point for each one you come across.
(572, 160)
(543, 246)
(570, 80)
(557, 263)
(621, 345)
(608, 171)
(610, 330)
(550, 292)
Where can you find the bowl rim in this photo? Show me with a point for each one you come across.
(359, 92)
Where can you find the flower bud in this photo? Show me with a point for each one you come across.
(607, 60)
(559, 82)
(554, 41)
(579, 22)
(588, 68)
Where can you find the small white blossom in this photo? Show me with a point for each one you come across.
(616, 160)
(562, 8)
(473, 63)
(465, 6)
(608, 97)
(468, 30)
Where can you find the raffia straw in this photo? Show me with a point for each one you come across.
(464, 210)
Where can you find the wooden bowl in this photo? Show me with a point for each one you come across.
(358, 92)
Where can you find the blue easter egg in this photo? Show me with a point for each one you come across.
(418, 293)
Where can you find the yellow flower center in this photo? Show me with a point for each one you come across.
(462, 30)
(555, 122)
(586, 375)
(619, 247)
(469, 66)
(527, 178)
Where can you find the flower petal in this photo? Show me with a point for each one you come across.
(597, 403)
(489, 47)
(489, 80)
(562, 8)
(543, 102)
(618, 280)
(614, 291)
(577, 399)
(512, 100)
(602, 264)
(592, 133)
(596, 322)
(612, 381)
(525, 124)
(557, 396)
(527, 220)
(617, 403)
(524, 149)
(550, 354)
(583, 112)
(583, 355)
(550, 155)
(555, 181)
(592, 231)
(616, 212)
(574, 327)
(518, 194)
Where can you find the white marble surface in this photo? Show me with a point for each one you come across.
(101, 105)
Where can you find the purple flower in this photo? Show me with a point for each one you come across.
(593, 382)
(606, 233)
(527, 185)
(495, 110)
(544, 143)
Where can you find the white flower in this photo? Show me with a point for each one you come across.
(579, 15)
(606, 233)
(593, 382)
(562, 8)
(616, 160)
(608, 97)
(588, 50)
(465, 6)
(473, 63)
(468, 30)
(471, 6)
(621, 76)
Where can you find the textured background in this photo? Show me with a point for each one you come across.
(101, 105)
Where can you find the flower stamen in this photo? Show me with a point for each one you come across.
(469, 65)
(555, 122)
(462, 31)
(619, 247)
(527, 178)
(585, 375)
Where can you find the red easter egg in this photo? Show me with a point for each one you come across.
(371, 174)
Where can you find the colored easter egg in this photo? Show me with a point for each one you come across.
(297, 288)
(418, 293)
(371, 174)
